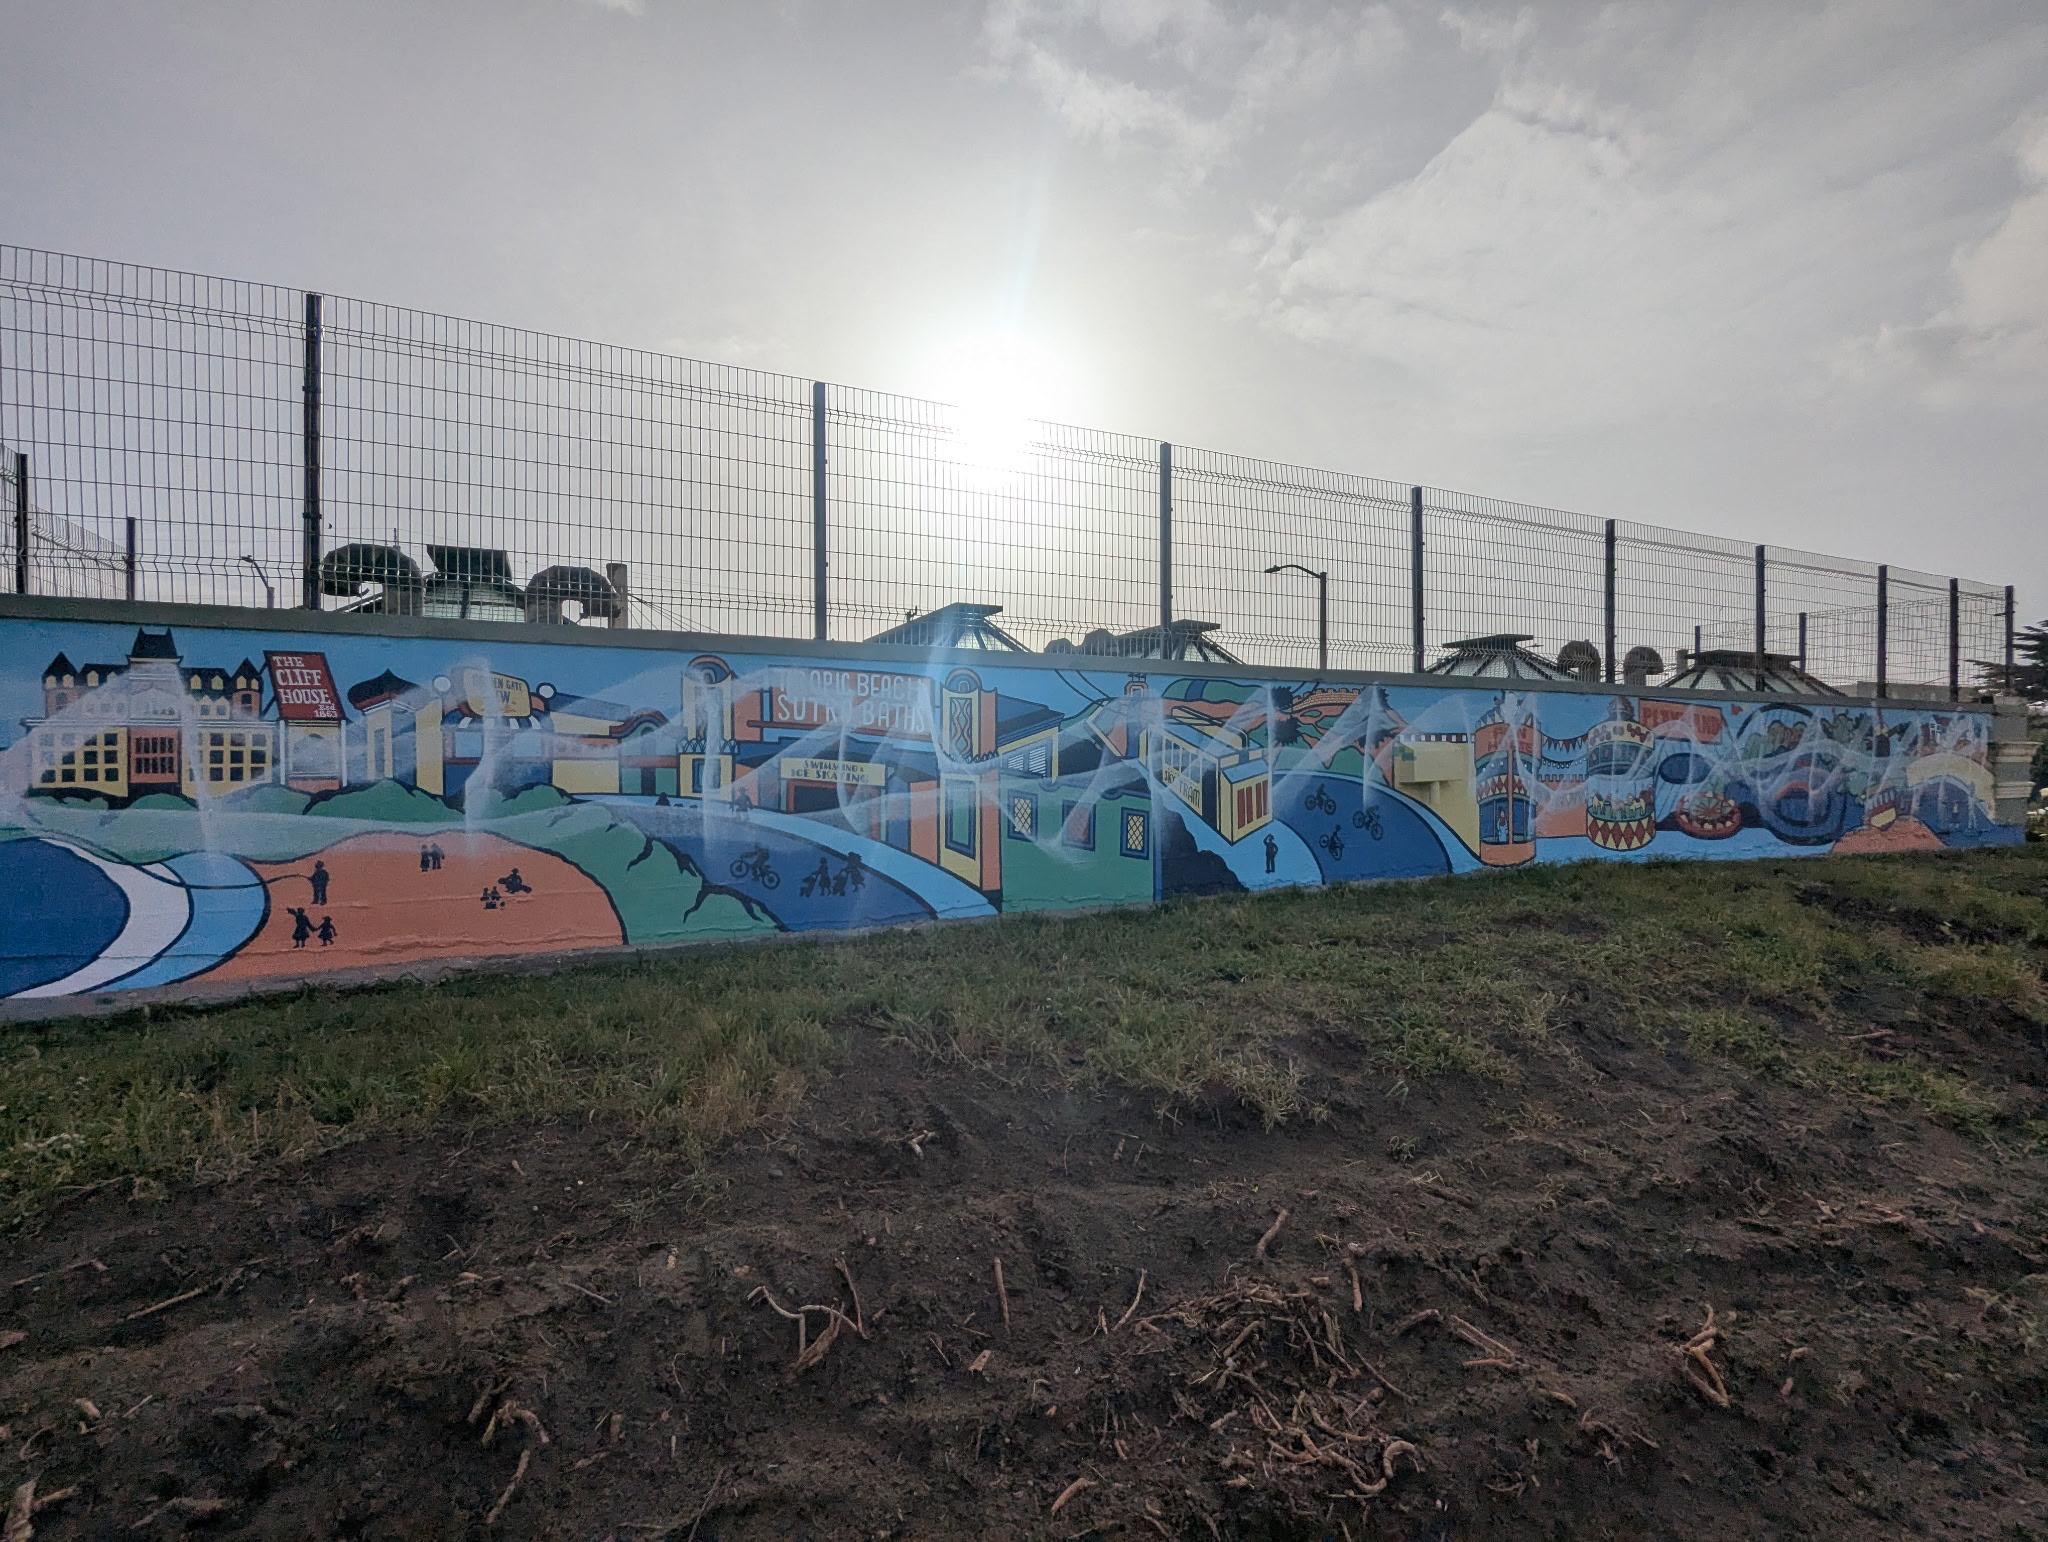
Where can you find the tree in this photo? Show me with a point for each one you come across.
(2030, 664)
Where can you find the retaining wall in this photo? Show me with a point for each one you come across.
(198, 797)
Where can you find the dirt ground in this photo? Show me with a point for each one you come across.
(1471, 1321)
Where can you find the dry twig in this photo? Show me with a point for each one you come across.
(1003, 1295)
(164, 1306)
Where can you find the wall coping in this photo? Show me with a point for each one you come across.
(347, 624)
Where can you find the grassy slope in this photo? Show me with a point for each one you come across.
(1774, 966)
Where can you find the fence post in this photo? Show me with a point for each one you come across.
(618, 576)
(819, 563)
(1955, 639)
(1609, 605)
(309, 439)
(128, 555)
(1802, 639)
(1415, 573)
(1760, 618)
(1165, 534)
(2008, 639)
(21, 522)
(1884, 624)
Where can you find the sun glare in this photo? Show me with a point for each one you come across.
(998, 385)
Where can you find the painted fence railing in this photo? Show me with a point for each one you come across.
(195, 795)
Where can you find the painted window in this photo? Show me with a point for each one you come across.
(1265, 791)
(696, 776)
(1077, 826)
(1033, 759)
(1137, 833)
(1023, 812)
(155, 754)
(961, 809)
(960, 724)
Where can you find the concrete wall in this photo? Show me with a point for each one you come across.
(196, 797)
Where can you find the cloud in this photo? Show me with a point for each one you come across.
(1990, 336)
(1647, 219)
(622, 7)
(1183, 78)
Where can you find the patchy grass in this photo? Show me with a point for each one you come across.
(1780, 970)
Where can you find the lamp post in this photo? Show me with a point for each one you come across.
(269, 594)
(1322, 609)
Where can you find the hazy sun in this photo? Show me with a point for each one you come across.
(998, 384)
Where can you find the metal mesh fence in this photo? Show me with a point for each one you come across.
(927, 507)
(1235, 518)
(166, 399)
(449, 436)
(189, 438)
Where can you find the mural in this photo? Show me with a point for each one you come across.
(185, 804)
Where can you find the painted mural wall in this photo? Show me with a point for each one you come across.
(184, 803)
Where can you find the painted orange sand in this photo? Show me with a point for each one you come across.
(386, 911)
(1902, 834)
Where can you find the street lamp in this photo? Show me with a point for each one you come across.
(269, 594)
(1322, 609)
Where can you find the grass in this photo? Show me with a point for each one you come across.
(1764, 967)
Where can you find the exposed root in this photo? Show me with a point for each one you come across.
(191, 1508)
(810, 1351)
(1282, 1402)
(518, 1477)
(860, 1317)
(16, 1527)
(1272, 1231)
(504, 1416)
(1697, 1364)
(1067, 1493)
(1140, 1296)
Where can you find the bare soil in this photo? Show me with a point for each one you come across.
(1471, 1322)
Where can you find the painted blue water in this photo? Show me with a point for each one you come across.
(795, 845)
(61, 914)
(1387, 835)
(228, 905)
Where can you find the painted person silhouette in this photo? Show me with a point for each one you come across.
(820, 880)
(435, 854)
(1272, 851)
(302, 928)
(426, 860)
(320, 876)
(512, 883)
(327, 931)
(854, 875)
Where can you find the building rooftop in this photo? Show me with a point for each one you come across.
(959, 625)
(1498, 656)
(1734, 669)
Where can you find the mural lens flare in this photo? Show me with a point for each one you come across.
(188, 802)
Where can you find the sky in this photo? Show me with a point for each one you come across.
(1773, 272)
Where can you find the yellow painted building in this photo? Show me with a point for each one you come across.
(1438, 773)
